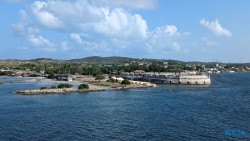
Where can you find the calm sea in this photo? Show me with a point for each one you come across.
(165, 112)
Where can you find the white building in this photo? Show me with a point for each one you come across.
(195, 79)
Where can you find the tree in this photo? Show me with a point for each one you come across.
(5, 73)
(65, 85)
(83, 86)
(94, 70)
(43, 88)
(49, 71)
(126, 81)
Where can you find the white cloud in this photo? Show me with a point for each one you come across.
(120, 24)
(24, 28)
(98, 28)
(46, 18)
(82, 39)
(65, 46)
(133, 4)
(31, 33)
(165, 31)
(76, 37)
(164, 39)
(41, 42)
(216, 28)
(85, 16)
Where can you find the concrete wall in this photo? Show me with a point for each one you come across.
(195, 80)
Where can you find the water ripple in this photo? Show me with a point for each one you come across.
(160, 113)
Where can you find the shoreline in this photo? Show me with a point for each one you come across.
(92, 86)
(54, 91)
(71, 90)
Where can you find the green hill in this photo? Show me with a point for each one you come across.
(104, 60)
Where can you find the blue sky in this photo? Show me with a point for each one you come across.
(195, 30)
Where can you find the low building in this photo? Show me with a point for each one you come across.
(63, 77)
(195, 79)
(190, 78)
(173, 79)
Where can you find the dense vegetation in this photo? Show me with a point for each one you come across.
(83, 86)
(105, 65)
(5, 73)
(65, 85)
(42, 88)
(126, 82)
(60, 86)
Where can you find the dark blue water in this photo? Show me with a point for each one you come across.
(161, 113)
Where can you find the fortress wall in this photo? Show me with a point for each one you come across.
(195, 80)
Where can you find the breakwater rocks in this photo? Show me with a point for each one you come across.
(70, 90)
(55, 91)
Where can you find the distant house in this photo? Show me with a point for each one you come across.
(63, 77)
(138, 72)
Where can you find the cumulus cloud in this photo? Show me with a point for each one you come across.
(39, 41)
(76, 37)
(65, 46)
(97, 26)
(45, 17)
(83, 39)
(31, 33)
(85, 16)
(133, 4)
(24, 27)
(216, 28)
(165, 31)
(120, 24)
(164, 38)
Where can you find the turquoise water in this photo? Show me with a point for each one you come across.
(165, 112)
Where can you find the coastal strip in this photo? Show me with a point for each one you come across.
(55, 91)
(70, 90)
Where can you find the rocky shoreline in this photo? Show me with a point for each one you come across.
(70, 90)
(55, 91)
